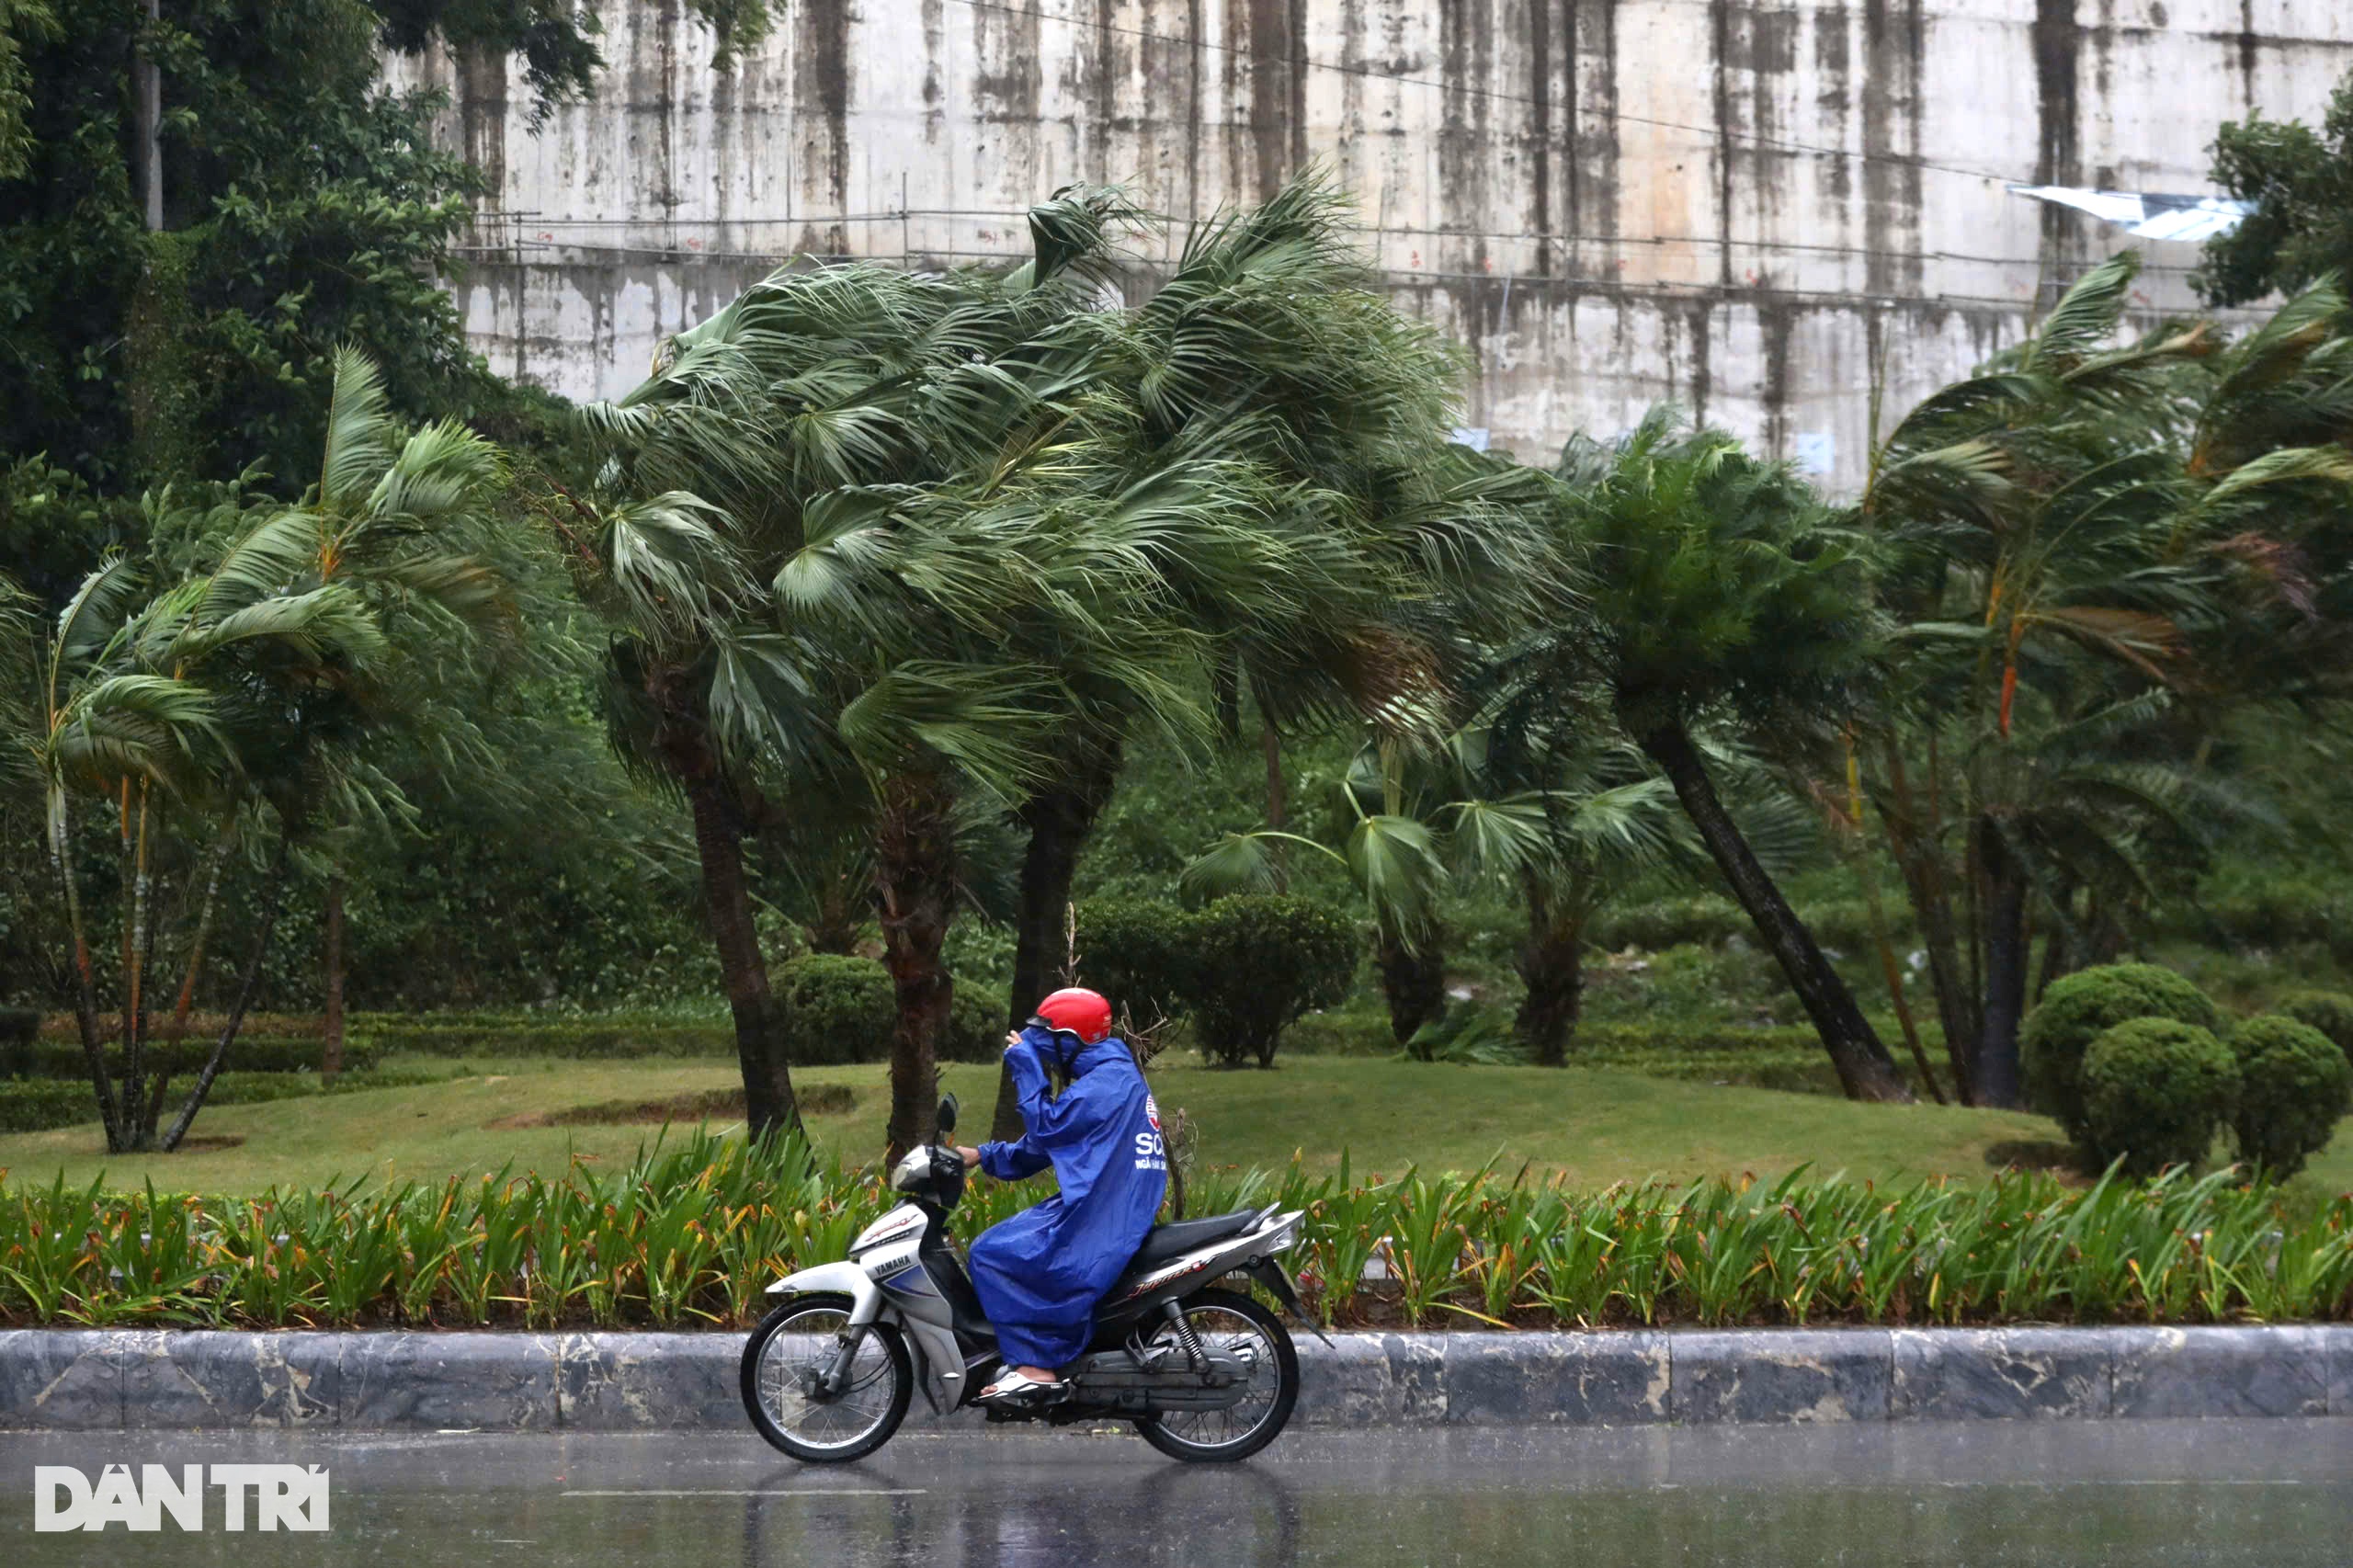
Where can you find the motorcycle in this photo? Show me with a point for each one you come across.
(1206, 1373)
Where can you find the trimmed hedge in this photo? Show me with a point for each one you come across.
(1137, 953)
(2294, 1085)
(2077, 1008)
(1701, 920)
(576, 1042)
(837, 1008)
(40, 1104)
(2155, 1092)
(1708, 920)
(58, 1059)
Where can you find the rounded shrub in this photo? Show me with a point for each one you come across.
(2155, 1092)
(836, 1008)
(2294, 1087)
(839, 1009)
(2078, 1008)
(1138, 953)
(975, 1024)
(2331, 1012)
(1258, 960)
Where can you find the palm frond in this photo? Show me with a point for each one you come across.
(360, 430)
(2085, 318)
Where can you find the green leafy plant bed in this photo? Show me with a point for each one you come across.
(690, 1232)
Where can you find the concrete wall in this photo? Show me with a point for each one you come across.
(1744, 205)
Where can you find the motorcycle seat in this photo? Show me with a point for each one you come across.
(1165, 1241)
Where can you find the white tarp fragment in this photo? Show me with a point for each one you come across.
(2150, 217)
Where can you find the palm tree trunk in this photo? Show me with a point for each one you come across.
(2007, 947)
(1060, 819)
(769, 1103)
(331, 1061)
(915, 884)
(1551, 966)
(1413, 978)
(1925, 883)
(86, 994)
(152, 1110)
(1865, 1069)
(141, 948)
(273, 899)
(2057, 949)
(1225, 683)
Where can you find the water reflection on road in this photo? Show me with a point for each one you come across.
(2153, 1495)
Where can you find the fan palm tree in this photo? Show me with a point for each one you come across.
(1266, 344)
(977, 616)
(747, 450)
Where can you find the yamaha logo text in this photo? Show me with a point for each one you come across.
(191, 1497)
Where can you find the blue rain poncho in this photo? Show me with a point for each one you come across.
(1040, 1273)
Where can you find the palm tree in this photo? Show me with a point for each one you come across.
(2090, 545)
(975, 616)
(1266, 345)
(1721, 596)
(248, 693)
(1566, 834)
(1589, 823)
(747, 451)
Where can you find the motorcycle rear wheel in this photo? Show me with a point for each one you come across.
(836, 1431)
(1230, 1319)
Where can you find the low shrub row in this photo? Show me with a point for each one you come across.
(426, 1034)
(2269, 916)
(63, 1058)
(693, 1232)
(38, 1105)
(1709, 921)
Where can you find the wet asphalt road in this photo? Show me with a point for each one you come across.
(2151, 1494)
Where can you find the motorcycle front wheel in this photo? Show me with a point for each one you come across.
(796, 1342)
(1231, 1322)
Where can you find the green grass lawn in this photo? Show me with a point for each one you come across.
(1596, 1126)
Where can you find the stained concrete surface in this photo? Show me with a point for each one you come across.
(2149, 1493)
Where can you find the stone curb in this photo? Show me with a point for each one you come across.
(115, 1379)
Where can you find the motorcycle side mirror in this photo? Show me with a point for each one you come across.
(947, 1116)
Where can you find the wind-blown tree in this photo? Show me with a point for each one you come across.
(1721, 596)
(1397, 794)
(1267, 345)
(2095, 550)
(1564, 833)
(243, 700)
(751, 487)
(984, 609)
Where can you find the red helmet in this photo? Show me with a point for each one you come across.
(1082, 1012)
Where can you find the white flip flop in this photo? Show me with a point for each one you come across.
(1020, 1388)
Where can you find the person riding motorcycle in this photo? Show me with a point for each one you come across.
(1040, 1274)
